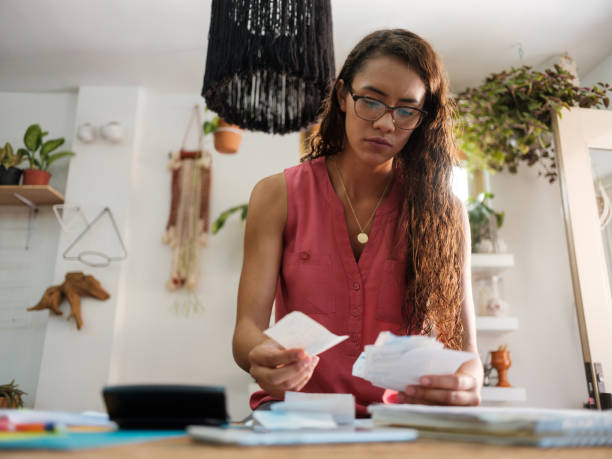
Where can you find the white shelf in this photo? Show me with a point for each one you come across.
(496, 324)
(503, 394)
(490, 264)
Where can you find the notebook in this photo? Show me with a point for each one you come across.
(508, 426)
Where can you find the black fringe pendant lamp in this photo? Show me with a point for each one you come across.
(269, 62)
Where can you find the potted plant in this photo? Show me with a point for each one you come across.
(508, 119)
(227, 136)
(11, 396)
(38, 153)
(9, 172)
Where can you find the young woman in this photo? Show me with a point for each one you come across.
(365, 235)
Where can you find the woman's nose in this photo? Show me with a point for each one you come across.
(385, 123)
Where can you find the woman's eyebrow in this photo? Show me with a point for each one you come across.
(382, 93)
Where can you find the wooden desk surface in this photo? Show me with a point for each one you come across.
(182, 448)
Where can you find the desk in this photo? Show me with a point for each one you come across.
(184, 448)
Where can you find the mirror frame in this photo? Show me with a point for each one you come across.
(576, 131)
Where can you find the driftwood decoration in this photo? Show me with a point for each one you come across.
(187, 225)
(74, 287)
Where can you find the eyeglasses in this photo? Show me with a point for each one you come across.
(404, 116)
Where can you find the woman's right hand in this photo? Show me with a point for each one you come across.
(278, 370)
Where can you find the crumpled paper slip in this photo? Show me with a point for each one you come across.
(393, 362)
(297, 330)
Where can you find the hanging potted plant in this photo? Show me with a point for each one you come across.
(228, 137)
(38, 153)
(507, 120)
(9, 172)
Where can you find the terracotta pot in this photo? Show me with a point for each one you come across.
(10, 176)
(36, 177)
(500, 360)
(227, 137)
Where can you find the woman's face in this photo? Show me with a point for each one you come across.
(389, 80)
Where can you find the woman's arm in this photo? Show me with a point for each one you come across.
(276, 369)
(462, 387)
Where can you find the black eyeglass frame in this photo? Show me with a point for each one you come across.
(388, 108)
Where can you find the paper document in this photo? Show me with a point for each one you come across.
(297, 330)
(281, 420)
(393, 362)
(507, 425)
(340, 406)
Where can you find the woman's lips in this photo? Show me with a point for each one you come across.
(378, 142)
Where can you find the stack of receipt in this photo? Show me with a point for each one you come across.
(393, 362)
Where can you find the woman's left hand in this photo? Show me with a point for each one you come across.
(460, 388)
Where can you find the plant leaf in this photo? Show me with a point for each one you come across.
(55, 157)
(32, 137)
(51, 145)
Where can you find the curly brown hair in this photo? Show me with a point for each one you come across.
(430, 218)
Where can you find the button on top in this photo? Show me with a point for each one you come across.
(304, 256)
(356, 286)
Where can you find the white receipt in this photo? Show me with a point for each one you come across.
(394, 362)
(297, 330)
(340, 406)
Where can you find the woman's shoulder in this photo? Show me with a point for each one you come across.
(270, 188)
(268, 203)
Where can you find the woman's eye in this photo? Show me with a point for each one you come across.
(371, 103)
(405, 112)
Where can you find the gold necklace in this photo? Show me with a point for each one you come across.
(362, 237)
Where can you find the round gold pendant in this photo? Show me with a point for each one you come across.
(362, 238)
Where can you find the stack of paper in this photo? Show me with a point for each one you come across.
(517, 426)
(26, 416)
(393, 362)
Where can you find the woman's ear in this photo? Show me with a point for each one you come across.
(341, 95)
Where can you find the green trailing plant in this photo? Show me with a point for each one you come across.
(38, 151)
(507, 120)
(221, 219)
(8, 158)
(13, 394)
(210, 126)
(480, 213)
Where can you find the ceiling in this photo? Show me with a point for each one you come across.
(62, 44)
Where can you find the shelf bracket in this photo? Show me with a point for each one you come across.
(33, 211)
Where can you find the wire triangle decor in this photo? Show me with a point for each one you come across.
(96, 258)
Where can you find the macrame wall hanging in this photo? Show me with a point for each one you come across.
(188, 220)
(269, 62)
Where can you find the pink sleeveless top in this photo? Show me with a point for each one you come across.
(320, 277)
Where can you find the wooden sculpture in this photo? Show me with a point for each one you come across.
(76, 285)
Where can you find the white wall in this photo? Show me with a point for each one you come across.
(136, 335)
(154, 342)
(601, 73)
(545, 351)
(25, 274)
